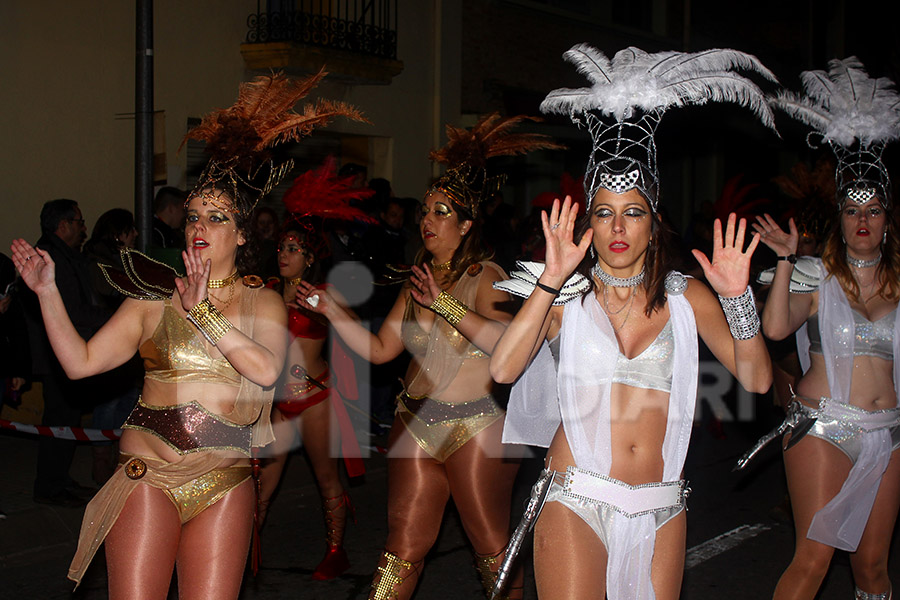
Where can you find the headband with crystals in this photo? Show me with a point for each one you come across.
(857, 116)
(628, 97)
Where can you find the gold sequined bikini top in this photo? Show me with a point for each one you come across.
(175, 353)
(415, 339)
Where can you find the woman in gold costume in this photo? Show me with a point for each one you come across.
(445, 441)
(213, 344)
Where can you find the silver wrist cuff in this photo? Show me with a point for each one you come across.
(740, 312)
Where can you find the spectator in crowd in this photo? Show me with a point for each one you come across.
(62, 234)
(15, 362)
(168, 218)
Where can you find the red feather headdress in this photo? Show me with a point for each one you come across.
(466, 182)
(240, 139)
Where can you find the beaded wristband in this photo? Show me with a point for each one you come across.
(449, 307)
(740, 312)
(211, 323)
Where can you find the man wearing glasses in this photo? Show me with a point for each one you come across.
(62, 233)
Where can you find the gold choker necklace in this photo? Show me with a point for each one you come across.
(215, 284)
(444, 266)
(295, 280)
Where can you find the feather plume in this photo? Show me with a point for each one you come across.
(263, 117)
(491, 136)
(321, 192)
(635, 79)
(845, 104)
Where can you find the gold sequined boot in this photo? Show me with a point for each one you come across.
(335, 561)
(395, 578)
(488, 566)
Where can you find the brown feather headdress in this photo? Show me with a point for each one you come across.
(240, 139)
(466, 182)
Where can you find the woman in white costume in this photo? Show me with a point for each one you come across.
(610, 355)
(841, 458)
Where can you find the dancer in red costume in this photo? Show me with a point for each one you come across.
(307, 381)
(301, 405)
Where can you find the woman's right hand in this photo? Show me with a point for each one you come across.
(313, 299)
(37, 269)
(770, 234)
(562, 254)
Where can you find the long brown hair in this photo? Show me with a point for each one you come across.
(834, 257)
(657, 260)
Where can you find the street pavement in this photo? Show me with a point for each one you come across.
(737, 544)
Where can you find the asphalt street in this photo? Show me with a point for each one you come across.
(739, 540)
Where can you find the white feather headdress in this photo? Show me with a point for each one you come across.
(629, 95)
(857, 115)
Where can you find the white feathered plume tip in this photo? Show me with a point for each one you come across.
(845, 104)
(656, 82)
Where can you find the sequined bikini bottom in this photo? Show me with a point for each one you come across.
(195, 496)
(595, 498)
(189, 427)
(441, 428)
(844, 425)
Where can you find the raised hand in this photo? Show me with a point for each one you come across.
(424, 288)
(563, 254)
(729, 272)
(770, 234)
(192, 287)
(37, 269)
(313, 299)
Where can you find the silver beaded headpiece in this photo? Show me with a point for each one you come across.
(857, 116)
(628, 97)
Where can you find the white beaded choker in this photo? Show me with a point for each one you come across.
(612, 280)
(862, 264)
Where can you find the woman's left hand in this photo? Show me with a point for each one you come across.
(192, 287)
(729, 272)
(424, 288)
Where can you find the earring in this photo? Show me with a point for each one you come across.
(591, 251)
(884, 238)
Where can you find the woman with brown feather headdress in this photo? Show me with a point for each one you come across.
(213, 344)
(446, 435)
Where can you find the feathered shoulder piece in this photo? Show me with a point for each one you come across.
(466, 181)
(635, 79)
(240, 139)
(523, 281)
(845, 104)
(805, 278)
(140, 276)
(321, 192)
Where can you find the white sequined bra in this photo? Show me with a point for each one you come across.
(649, 370)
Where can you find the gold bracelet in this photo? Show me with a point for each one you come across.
(211, 323)
(449, 307)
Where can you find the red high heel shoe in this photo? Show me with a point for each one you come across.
(335, 561)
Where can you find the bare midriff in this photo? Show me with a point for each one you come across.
(871, 386)
(638, 419)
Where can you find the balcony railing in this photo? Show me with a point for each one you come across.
(367, 27)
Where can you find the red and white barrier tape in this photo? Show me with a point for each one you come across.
(65, 433)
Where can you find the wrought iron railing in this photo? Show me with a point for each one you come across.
(363, 26)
